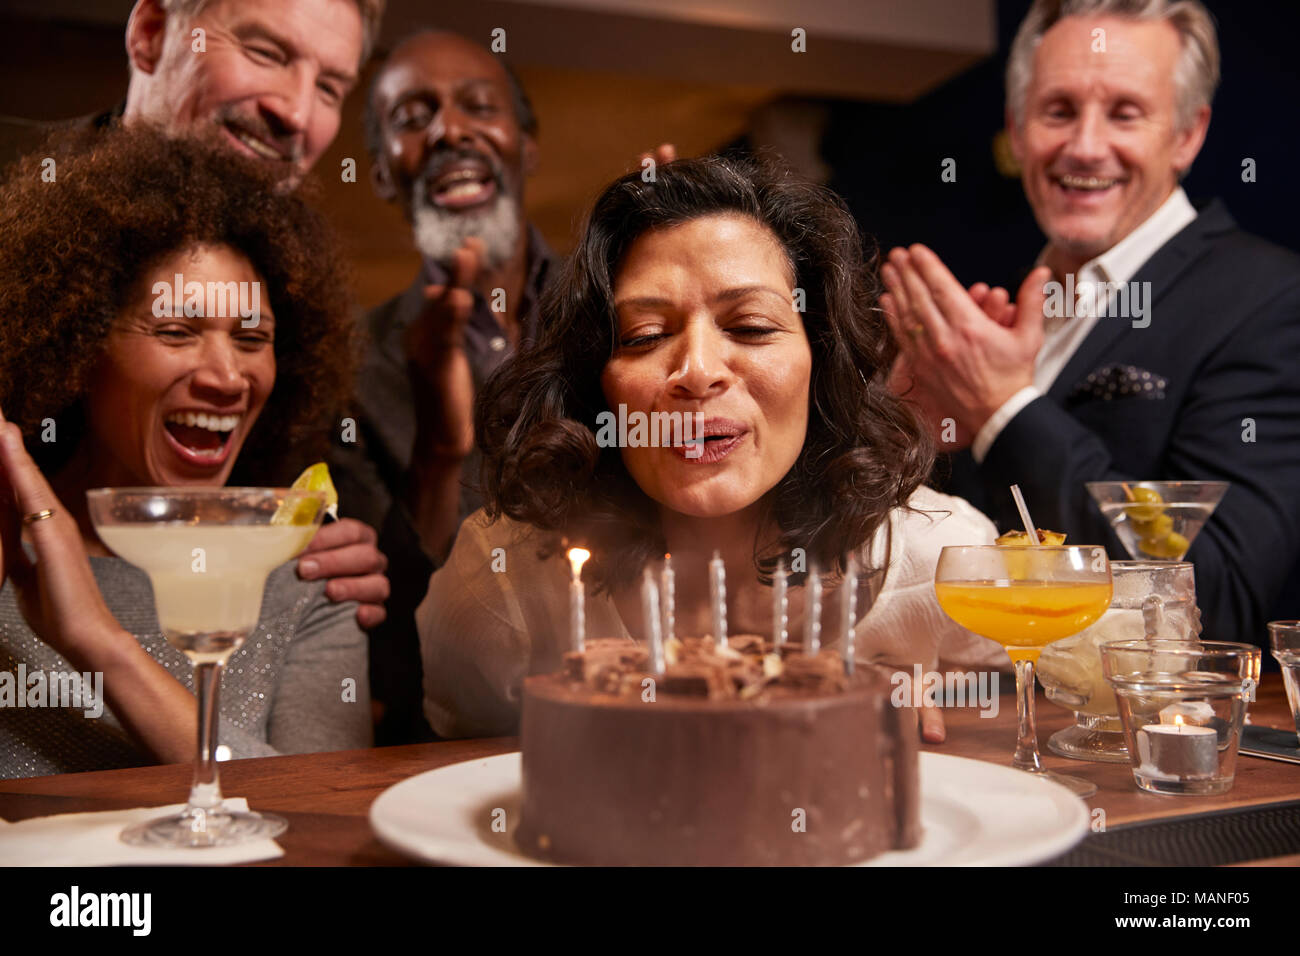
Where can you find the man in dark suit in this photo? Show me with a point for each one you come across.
(452, 138)
(1171, 339)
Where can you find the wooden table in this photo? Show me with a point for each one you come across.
(326, 797)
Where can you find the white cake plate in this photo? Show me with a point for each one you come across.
(974, 814)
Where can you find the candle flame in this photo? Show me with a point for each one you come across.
(1178, 720)
(577, 558)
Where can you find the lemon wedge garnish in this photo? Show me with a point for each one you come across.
(303, 510)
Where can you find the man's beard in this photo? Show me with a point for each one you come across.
(440, 232)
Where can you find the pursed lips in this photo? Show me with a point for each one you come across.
(719, 436)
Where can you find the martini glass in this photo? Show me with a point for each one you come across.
(1025, 598)
(1157, 520)
(207, 552)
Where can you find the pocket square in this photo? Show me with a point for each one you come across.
(1120, 381)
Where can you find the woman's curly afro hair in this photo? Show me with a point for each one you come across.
(84, 217)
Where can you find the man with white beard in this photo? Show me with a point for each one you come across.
(452, 138)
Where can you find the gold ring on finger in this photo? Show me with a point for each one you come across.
(36, 516)
(918, 331)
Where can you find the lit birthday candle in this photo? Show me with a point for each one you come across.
(718, 599)
(650, 618)
(849, 609)
(668, 598)
(812, 618)
(780, 605)
(577, 599)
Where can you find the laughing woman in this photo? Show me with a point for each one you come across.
(106, 382)
(681, 298)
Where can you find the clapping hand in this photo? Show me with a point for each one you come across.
(447, 310)
(435, 347)
(663, 153)
(57, 593)
(963, 352)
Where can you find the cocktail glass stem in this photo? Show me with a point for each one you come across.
(205, 791)
(1026, 757)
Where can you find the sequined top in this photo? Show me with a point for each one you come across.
(299, 683)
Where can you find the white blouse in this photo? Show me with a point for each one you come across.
(496, 613)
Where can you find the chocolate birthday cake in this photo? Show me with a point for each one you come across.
(732, 757)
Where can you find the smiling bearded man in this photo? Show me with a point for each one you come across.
(452, 138)
(264, 79)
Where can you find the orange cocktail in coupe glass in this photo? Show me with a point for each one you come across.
(1025, 598)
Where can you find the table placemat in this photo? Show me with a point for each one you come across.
(1201, 839)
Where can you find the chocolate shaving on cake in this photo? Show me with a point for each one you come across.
(750, 668)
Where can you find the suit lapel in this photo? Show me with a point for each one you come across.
(1162, 270)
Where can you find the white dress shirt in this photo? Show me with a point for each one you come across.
(1062, 335)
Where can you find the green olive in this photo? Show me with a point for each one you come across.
(1176, 545)
(1169, 546)
(1148, 509)
(1158, 527)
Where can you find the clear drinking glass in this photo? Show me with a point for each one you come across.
(1025, 598)
(207, 552)
(1284, 639)
(1182, 704)
(1152, 600)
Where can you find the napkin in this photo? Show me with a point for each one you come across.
(91, 839)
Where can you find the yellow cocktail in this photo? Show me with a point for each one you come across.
(1025, 598)
(207, 552)
(1023, 616)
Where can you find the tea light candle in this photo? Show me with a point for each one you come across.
(1196, 712)
(849, 609)
(812, 619)
(577, 599)
(668, 598)
(650, 617)
(780, 604)
(718, 599)
(1178, 751)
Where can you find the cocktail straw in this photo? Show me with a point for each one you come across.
(1024, 514)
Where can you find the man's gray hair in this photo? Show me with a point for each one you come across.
(372, 12)
(1195, 77)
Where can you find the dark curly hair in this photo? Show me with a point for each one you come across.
(73, 250)
(865, 451)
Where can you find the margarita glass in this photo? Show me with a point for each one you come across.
(1025, 598)
(207, 552)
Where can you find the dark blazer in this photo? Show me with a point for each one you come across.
(1223, 347)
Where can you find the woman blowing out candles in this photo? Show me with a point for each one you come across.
(731, 290)
(103, 384)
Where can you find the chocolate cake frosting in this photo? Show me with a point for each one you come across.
(734, 757)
